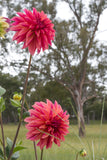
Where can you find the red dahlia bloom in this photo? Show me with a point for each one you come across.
(34, 29)
(47, 123)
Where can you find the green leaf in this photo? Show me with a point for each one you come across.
(15, 103)
(2, 91)
(7, 151)
(15, 155)
(1, 157)
(26, 114)
(9, 143)
(18, 148)
(19, 143)
(2, 104)
(1, 153)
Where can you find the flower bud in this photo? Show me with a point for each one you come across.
(83, 153)
(4, 26)
(17, 97)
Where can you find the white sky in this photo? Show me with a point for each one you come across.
(65, 13)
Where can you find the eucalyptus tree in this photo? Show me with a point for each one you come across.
(70, 59)
(77, 60)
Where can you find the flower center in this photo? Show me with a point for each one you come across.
(53, 124)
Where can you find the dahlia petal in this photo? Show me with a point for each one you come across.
(29, 37)
(24, 45)
(57, 142)
(44, 135)
(29, 13)
(38, 33)
(43, 16)
(15, 28)
(17, 19)
(20, 39)
(33, 137)
(35, 12)
(38, 51)
(43, 126)
(49, 142)
(32, 47)
(28, 20)
(49, 103)
(23, 31)
(21, 14)
(15, 37)
(25, 24)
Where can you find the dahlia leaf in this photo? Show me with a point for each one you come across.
(15, 103)
(2, 104)
(9, 143)
(2, 91)
(1, 154)
(18, 148)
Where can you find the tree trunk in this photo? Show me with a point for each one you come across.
(79, 105)
(81, 122)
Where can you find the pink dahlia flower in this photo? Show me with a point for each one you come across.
(47, 123)
(34, 29)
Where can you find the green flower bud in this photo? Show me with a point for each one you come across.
(17, 97)
(3, 27)
(83, 153)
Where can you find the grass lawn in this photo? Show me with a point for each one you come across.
(95, 145)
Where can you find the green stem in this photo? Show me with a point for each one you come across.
(35, 150)
(41, 154)
(2, 131)
(22, 106)
(101, 124)
(77, 156)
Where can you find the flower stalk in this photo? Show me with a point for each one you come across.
(77, 156)
(34, 143)
(41, 154)
(22, 106)
(2, 131)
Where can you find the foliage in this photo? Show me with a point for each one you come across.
(2, 91)
(17, 148)
(2, 101)
(96, 107)
(53, 91)
(11, 84)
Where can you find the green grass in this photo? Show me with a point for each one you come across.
(68, 148)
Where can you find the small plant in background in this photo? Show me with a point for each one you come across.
(8, 147)
(82, 153)
(5, 150)
(2, 108)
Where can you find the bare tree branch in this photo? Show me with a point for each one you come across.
(84, 99)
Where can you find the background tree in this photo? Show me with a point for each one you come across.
(70, 60)
(53, 91)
